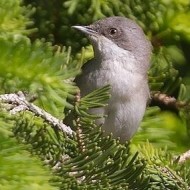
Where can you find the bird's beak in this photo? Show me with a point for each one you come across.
(86, 29)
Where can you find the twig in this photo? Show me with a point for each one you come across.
(184, 157)
(168, 101)
(19, 103)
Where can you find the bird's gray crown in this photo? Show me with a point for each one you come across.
(123, 32)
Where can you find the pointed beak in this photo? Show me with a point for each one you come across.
(86, 29)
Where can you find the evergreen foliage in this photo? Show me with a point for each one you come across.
(89, 160)
(19, 169)
(15, 21)
(49, 67)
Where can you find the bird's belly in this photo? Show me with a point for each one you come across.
(123, 118)
(127, 104)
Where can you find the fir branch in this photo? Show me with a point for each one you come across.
(18, 103)
(16, 22)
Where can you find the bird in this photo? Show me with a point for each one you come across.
(121, 59)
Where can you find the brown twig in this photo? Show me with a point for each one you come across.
(79, 134)
(168, 101)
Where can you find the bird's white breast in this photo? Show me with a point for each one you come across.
(129, 90)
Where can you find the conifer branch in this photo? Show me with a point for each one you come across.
(17, 102)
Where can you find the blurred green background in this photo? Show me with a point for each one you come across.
(40, 54)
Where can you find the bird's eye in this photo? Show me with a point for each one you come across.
(112, 31)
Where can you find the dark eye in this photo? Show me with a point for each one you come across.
(112, 31)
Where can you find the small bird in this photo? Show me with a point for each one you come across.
(121, 59)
